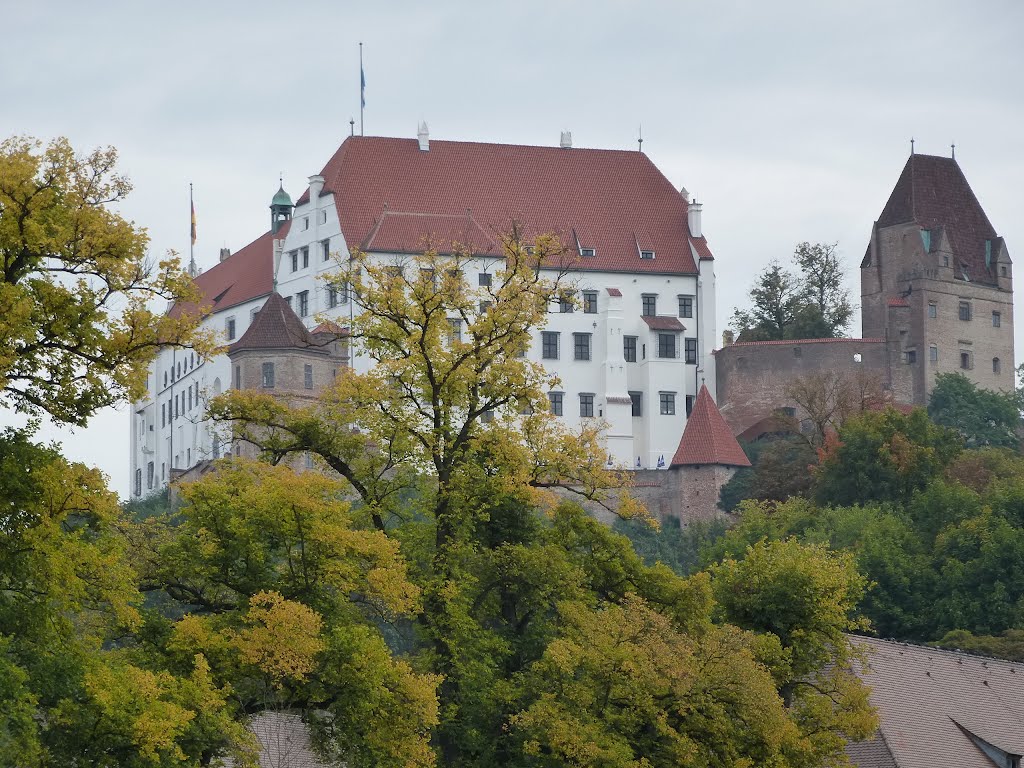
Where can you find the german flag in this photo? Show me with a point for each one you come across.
(193, 222)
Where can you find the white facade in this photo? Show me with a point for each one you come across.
(660, 383)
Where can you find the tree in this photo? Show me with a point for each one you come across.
(448, 447)
(810, 305)
(883, 456)
(77, 325)
(76, 688)
(777, 298)
(981, 416)
(829, 398)
(781, 468)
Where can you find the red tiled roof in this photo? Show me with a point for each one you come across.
(397, 232)
(898, 301)
(604, 196)
(793, 342)
(663, 323)
(241, 277)
(700, 244)
(707, 439)
(613, 291)
(275, 326)
(933, 192)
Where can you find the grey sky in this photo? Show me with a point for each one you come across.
(790, 121)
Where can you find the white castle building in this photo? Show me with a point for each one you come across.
(633, 352)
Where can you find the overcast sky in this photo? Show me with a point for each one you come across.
(790, 121)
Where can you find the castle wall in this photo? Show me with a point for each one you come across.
(686, 493)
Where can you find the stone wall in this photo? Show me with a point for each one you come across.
(753, 377)
(686, 493)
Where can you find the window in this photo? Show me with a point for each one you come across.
(629, 348)
(588, 252)
(176, 406)
(188, 457)
(484, 280)
(965, 361)
(305, 257)
(487, 417)
(429, 276)
(138, 482)
(343, 293)
(325, 249)
(322, 216)
(586, 404)
(636, 401)
(307, 460)
(307, 374)
(911, 356)
(485, 307)
(689, 405)
(590, 302)
(288, 301)
(997, 319)
(303, 297)
(581, 346)
(305, 222)
(933, 309)
(454, 330)
(163, 414)
(556, 399)
(996, 365)
(216, 447)
(268, 376)
(565, 303)
(549, 345)
(650, 304)
(150, 475)
(332, 297)
(646, 254)
(295, 260)
(1002, 271)
(666, 345)
(668, 403)
(190, 398)
(933, 354)
(945, 261)
(686, 306)
(965, 310)
(165, 378)
(238, 377)
(691, 350)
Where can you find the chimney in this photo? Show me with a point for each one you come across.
(423, 134)
(727, 338)
(693, 217)
(224, 253)
(316, 184)
(686, 195)
(566, 140)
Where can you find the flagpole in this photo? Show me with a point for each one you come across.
(192, 233)
(362, 89)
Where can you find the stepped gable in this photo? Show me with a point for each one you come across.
(933, 192)
(241, 277)
(276, 326)
(939, 707)
(390, 195)
(707, 439)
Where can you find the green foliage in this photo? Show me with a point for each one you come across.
(981, 416)
(1007, 645)
(76, 285)
(810, 305)
(780, 469)
(676, 546)
(883, 456)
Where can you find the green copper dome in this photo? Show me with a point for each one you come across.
(281, 198)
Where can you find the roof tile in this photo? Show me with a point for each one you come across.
(276, 326)
(606, 196)
(707, 439)
(663, 323)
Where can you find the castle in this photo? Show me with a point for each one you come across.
(637, 348)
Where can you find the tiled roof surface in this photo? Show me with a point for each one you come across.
(663, 323)
(700, 244)
(613, 291)
(926, 698)
(707, 439)
(283, 741)
(933, 192)
(898, 301)
(795, 342)
(397, 232)
(275, 326)
(873, 753)
(604, 198)
(241, 277)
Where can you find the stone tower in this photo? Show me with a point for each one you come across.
(937, 282)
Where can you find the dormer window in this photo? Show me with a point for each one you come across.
(588, 252)
(646, 254)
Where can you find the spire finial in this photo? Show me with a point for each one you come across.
(280, 179)
(911, 145)
(640, 139)
(953, 148)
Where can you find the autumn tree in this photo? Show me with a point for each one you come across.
(81, 301)
(808, 304)
(828, 398)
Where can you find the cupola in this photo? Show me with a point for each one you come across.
(280, 209)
